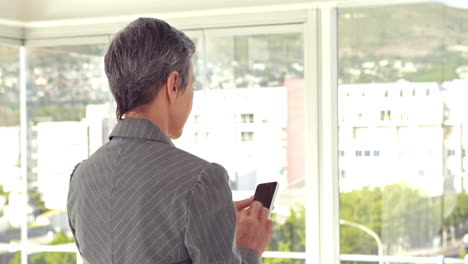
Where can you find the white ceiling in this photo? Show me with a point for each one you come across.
(47, 10)
(10, 9)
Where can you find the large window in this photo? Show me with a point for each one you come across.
(10, 168)
(402, 137)
(248, 100)
(249, 117)
(70, 115)
(403, 86)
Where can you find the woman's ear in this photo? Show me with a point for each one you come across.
(172, 86)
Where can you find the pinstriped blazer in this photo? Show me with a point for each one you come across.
(139, 199)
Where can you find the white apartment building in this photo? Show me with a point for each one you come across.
(242, 129)
(59, 146)
(402, 132)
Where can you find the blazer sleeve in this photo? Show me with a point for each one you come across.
(210, 235)
(69, 220)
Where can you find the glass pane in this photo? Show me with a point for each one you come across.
(197, 61)
(7, 257)
(283, 261)
(254, 61)
(10, 181)
(250, 119)
(51, 258)
(70, 115)
(403, 87)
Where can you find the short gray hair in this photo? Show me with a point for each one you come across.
(141, 57)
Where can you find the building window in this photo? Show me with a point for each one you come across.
(358, 153)
(247, 118)
(367, 153)
(385, 115)
(196, 119)
(376, 153)
(342, 153)
(247, 136)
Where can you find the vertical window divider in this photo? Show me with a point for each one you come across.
(328, 134)
(24, 156)
(311, 154)
(321, 152)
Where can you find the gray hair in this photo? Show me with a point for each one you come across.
(141, 57)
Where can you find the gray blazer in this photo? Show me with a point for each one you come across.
(139, 199)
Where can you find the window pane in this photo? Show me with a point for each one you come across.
(8, 257)
(197, 61)
(283, 261)
(70, 115)
(250, 119)
(10, 182)
(254, 61)
(51, 258)
(402, 112)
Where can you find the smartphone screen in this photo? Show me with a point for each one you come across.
(265, 193)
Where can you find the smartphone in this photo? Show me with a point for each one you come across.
(266, 193)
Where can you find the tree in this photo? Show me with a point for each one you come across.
(51, 257)
(288, 236)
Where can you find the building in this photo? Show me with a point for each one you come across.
(391, 133)
(245, 136)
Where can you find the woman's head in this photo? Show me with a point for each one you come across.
(141, 58)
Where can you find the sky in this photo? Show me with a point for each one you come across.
(456, 3)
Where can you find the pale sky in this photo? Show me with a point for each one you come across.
(456, 3)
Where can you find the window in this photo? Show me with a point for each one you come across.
(70, 114)
(196, 119)
(247, 136)
(247, 118)
(410, 204)
(10, 163)
(342, 174)
(251, 78)
(67, 94)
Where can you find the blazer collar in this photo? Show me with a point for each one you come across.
(139, 128)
